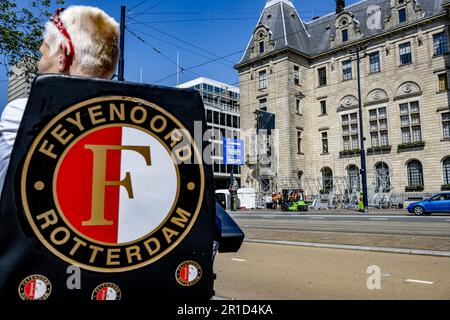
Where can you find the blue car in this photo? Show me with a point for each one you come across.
(439, 203)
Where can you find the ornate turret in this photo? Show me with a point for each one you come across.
(270, 3)
(278, 28)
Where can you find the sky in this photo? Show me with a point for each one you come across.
(207, 36)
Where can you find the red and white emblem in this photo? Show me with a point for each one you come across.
(35, 287)
(106, 291)
(112, 184)
(188, 273)
(110, 158)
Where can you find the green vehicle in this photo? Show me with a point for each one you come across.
(294, 205)
(298, 206)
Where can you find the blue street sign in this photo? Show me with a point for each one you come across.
(233, 152)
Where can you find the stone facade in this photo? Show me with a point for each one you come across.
(397, 94)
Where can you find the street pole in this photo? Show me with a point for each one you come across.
(122, 45)
(258, 166)
(232, 200)
(361, 132)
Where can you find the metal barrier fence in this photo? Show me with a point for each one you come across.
(340, 192)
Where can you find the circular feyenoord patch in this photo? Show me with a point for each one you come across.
(112, 184)
(106, 291)
(35, 287)
(188, 273)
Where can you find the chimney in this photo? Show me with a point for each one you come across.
(340, 6)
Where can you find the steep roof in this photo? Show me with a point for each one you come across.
(312, 38)
(287, 30)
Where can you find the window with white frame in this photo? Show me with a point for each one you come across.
(410, 122)
(327, 179)
(446, 170)
(440, 43)
(325, 142)
(322, 74)
(379, 127)
(353, 179)
(350, 133)
(374, 59)
(446, 124)
(405, 53)
(263, 79)
(347, 70)
(415, 174)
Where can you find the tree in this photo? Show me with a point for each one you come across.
(21, 31)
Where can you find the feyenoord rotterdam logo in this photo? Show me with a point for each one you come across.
(188, 273)
(106, 291)
(112, 184)
(35, 287)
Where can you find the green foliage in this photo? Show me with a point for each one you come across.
(21, 32)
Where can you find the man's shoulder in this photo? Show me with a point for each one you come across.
(13, 111)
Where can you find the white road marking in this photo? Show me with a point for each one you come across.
(379, 219)
(239, 260)
(448, 220)
(317, 218)
(385, 275)
(419, 281)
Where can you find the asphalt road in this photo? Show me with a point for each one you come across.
(370, 224)
(389, 230)
(274, 272)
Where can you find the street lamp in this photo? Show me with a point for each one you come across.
(361, 126)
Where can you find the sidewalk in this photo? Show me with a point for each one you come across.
(353, 239)
(396, 212)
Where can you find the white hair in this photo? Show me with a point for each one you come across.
(94, 36)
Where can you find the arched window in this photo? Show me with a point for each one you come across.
(446, 170)
(353, 178)
(383, 178)
(300, 175)
(327, 179)
(415, 173)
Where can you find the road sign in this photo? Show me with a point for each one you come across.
(233, 152)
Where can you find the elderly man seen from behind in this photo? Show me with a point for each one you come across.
(79, 41)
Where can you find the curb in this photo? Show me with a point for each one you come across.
(357, 248)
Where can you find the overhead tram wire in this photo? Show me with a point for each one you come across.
(181, 40)
(149, 9)
(162, 54)
(222, 12)
(181, 47)
(200, 65)
(139, 4)
(195, 20)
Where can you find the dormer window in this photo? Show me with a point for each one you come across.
(261, 47)
(402, 17)
(345, 35)
(346, 29)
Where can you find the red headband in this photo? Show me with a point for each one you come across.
(58, 23)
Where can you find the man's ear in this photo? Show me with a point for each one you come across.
(64, 61)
